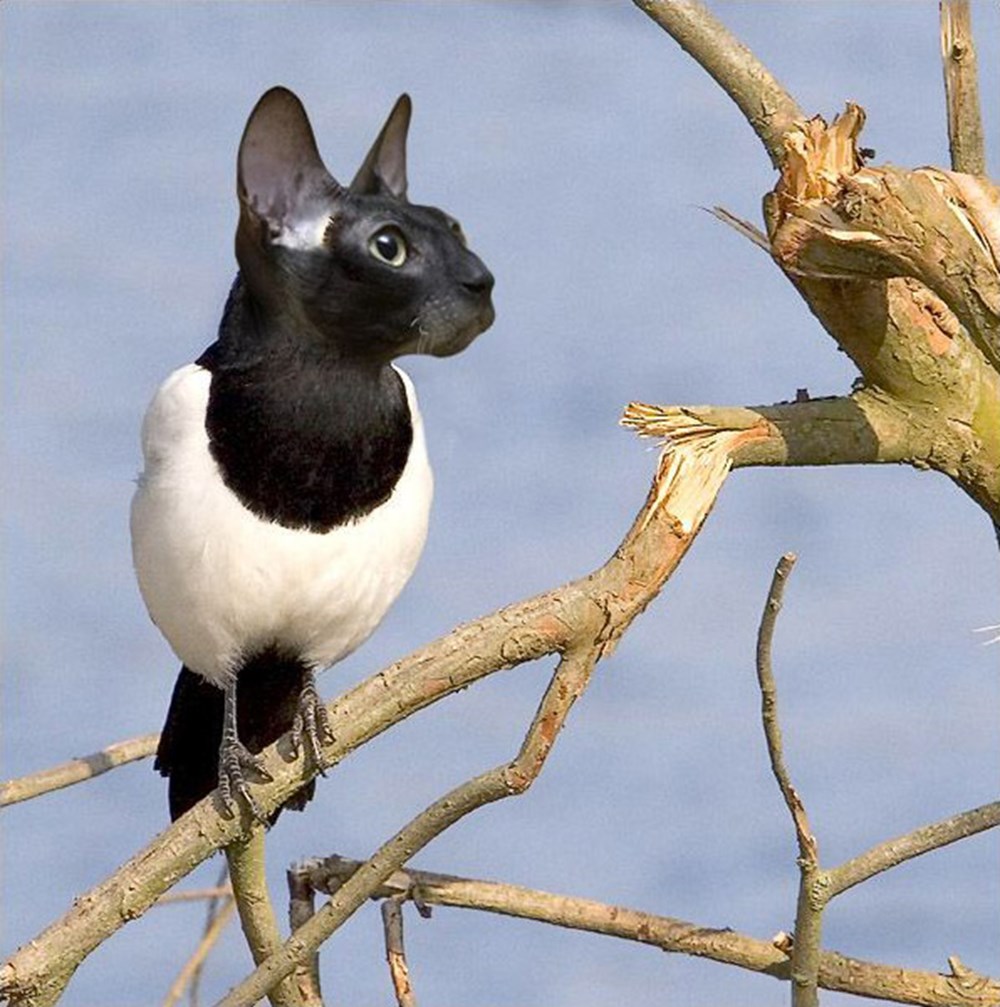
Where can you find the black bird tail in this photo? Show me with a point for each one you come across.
(267, 698)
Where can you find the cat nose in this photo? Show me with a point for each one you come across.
(480, 283)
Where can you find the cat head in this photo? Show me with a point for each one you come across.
(357, 266)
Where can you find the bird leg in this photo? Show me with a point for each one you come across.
(311, 722)
(235, 758)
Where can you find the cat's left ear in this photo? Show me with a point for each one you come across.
(384, 169)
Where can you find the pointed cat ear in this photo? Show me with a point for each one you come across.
(384, 169)
(281, 179)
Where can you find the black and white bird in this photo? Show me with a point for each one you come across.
(285, 493)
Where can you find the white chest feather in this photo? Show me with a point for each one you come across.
(221, 583)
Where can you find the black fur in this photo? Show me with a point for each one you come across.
(303, 437)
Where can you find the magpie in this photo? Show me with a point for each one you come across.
(285, 491)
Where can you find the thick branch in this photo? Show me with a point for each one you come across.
(866, 427)
(248, 874)
(887, 222)
(77, 770)
(902, 268)
(961, 86)
(596, 608)
(837, 972)
(768, 107)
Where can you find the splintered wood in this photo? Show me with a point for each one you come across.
(830, 217)
(695, 459)
(817, 156)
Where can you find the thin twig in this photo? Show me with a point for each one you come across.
(914, 844)
(195, 895)
(23, 788)
(961, 86)
(749, 231)
(193, 965)
(806, 949)
(767, 106)
(215, 906)
(848, 975)
(769, 711)
(395, 952)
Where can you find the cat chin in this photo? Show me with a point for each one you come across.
(443, 336)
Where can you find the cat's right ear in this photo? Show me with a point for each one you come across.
(384, 167)
(282, 183)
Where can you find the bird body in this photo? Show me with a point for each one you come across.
(223, 583)
(285, 491)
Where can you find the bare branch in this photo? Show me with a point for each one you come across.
(837, 972)
(861, 428)
(395, 953)
(961, 86)
(806, 948)
(567, 683)
(301, 907)
(868, 426)
(196, 895)
(193, 965)
(769, 713)
(77, 770)
(598, 607)
(767, 106)
(896, 851)
(248, 874)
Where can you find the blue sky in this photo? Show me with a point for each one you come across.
(577, 145)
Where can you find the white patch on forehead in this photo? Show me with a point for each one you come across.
(304, 234)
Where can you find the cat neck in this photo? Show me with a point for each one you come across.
(303, 434)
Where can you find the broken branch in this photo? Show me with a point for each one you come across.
(961, 87)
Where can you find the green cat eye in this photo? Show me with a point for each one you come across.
(389, 246)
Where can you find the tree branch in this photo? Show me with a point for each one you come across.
(194, 964)
(395, 952)
(887, 222)
(248, 874)
(868, 426)
(806, 948)
(570, 679)
(77, 770)
(596, 608)
(902, 268)
(913, 844)
(301, 907)
(837, 972)
(767, 106)
(769, 712)
(961, 86)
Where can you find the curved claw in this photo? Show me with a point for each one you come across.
(312, 723)
(234, 760)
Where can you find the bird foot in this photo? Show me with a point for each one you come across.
(235, 759)
(312, 724)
